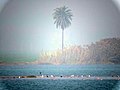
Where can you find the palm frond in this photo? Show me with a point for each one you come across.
(63, 17)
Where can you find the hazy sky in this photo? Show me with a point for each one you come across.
(28, 25)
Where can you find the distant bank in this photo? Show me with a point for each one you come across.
(105, 51)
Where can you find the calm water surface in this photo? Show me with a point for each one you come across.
(61, 84)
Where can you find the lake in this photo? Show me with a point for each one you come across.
(59, 84)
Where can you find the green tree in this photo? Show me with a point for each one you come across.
(63, 18)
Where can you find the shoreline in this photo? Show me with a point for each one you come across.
(63, 77)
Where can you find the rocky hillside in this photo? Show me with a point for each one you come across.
(105, 51)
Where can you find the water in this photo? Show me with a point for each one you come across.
(58, 84)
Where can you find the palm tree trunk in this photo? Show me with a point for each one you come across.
(62, 39)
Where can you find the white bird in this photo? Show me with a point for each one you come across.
(72, 75)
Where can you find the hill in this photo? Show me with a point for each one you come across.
(105, 51)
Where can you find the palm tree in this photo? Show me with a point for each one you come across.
(63, 18)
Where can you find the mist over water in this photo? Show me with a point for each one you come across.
(27, 29)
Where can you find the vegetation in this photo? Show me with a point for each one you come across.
(62, 17)
(12, 58)
(31, 76)
(106, 51)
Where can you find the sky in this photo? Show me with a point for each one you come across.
(27, 26)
